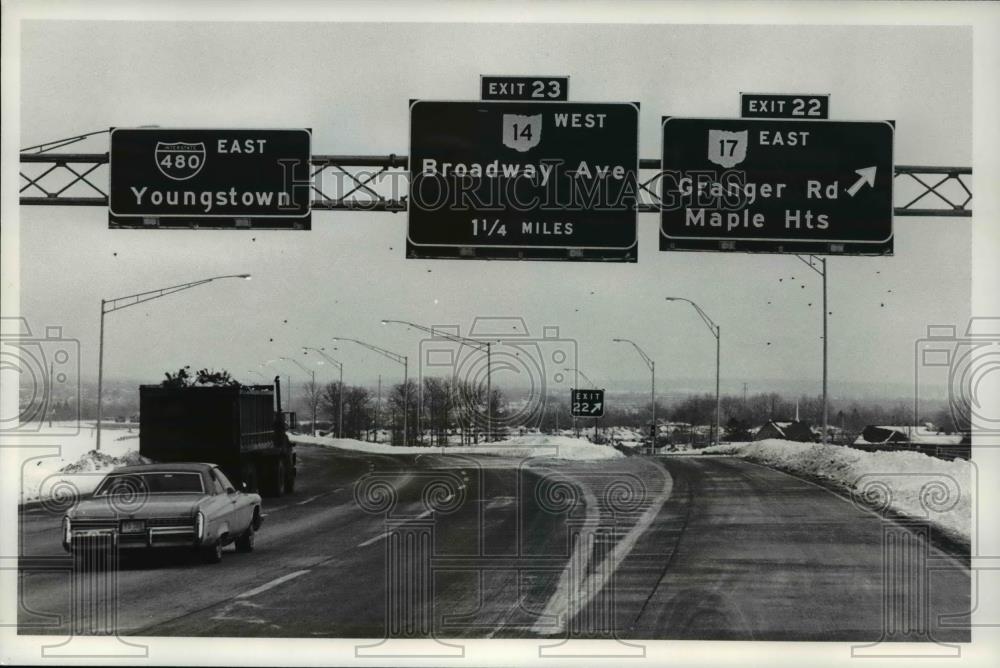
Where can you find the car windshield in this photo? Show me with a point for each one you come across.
(150, 483)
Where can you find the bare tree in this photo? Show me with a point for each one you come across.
(313, 393)
(331, 403)
(358, 414)
(438, 404)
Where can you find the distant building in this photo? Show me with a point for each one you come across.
(794, 430)
(917, 435)
(925, 439)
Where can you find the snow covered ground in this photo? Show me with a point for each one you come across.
(910, 483)
(77, 468)
(532, 445)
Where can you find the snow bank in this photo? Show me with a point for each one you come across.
(533, 445)
(909, 483)
(78, 466)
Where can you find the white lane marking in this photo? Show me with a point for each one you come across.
(313, 498)
(273, 583)
(375, 539)
(386, 534)
(564, 607)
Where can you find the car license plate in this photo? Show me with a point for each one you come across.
(133, 526)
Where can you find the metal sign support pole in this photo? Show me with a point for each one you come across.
(826, 413)
(100, 377)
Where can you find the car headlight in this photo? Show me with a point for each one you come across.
(199, 525)
(67, 534)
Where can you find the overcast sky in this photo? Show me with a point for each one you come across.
(351, 83)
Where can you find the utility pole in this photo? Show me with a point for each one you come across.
(378, 406)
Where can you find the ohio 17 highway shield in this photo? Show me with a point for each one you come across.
(777, 186)
(523, 180)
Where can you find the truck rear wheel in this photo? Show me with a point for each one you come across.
(290, 479)
(279, 478)
(272, 475)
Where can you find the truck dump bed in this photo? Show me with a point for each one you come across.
(205, 424)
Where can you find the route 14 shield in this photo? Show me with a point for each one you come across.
(522, 133)
(180, 160)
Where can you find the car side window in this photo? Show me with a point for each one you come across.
(220, 477)
(217, 486)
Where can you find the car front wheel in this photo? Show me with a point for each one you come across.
(212, 554)
(245, 542)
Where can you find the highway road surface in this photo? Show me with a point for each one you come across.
(373, 546)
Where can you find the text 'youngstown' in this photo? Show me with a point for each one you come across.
(209, 199)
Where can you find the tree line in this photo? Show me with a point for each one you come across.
(450, 408)
(436, 409)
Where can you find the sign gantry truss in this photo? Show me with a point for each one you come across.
(379, 183)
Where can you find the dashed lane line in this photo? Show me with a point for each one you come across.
(386, 534)
(273, 583)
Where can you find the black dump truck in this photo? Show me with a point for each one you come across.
(241, 428)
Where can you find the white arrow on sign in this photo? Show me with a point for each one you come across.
(867, 176)
(596, 407)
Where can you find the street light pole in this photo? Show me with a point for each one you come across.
(472, 343)
(119, 303)
(652, 394)
(340, 393)
(399, 359)
(100, 375)
(717, 333)
(576, 385)
(312, 388)
(821, 270)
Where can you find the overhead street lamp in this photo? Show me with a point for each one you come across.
(577, 370)
(340, 394)
(717, 333)
(277, 378)
(117, 304)
(312, 389)
(812, 263)
(472, 343)
(399, 359)
(652, 371)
